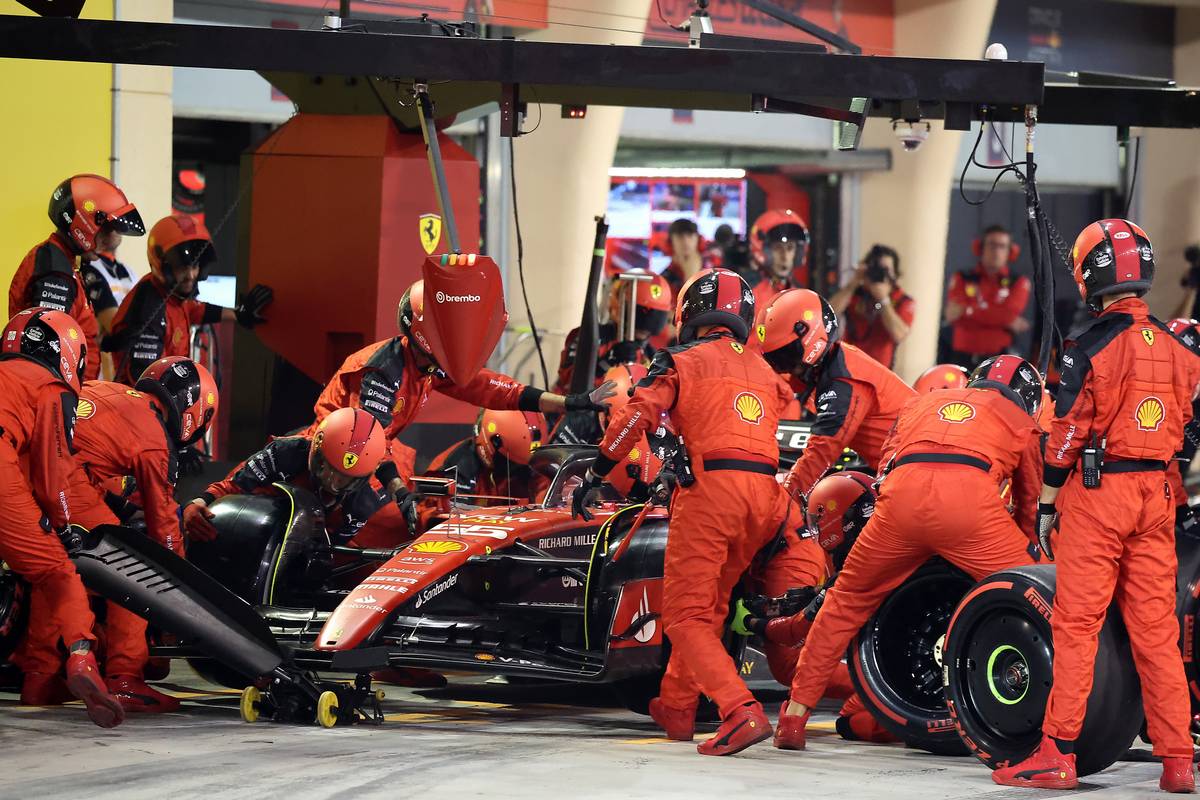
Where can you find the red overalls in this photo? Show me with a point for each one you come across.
(1126, 380)
(926, 508)
(153, 323)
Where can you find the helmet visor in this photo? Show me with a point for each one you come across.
(127, 223)
(197, 252)
(650, 321)
(332, 480)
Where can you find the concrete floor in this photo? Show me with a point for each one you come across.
(472, 739)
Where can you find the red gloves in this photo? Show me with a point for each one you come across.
(196, 518)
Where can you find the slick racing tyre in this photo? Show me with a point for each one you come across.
(14, 610)
(1187, 606)
(896, 659)
(999, 669)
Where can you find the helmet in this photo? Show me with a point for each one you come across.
(1112, 256)
(1188, 332)
(625, 376)
(778, 225)
(188, 395)
(52, 339)
(714, 297)
(798, 330)
(511, 434)
(941, 376)
(1014, 377)
(838, 509)
(653, 300)
(346, 450)
(410, 317)
(83, 205)
(176, 242)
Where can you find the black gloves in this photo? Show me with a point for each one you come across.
(407, 501)
(593, 400)
(1186, 522)
(583, 495)
(189, 461)
(1046, 517)
(249, 308)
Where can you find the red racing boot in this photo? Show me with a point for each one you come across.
(83, 681)
(1179, 776)
(1045, 768)
(44, 689)
(790, 734)
(137, 697)
(747, 725)
(679, 723)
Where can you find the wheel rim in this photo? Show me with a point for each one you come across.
(1009, 669)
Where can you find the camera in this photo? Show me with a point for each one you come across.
(911, 133)
(876, 272)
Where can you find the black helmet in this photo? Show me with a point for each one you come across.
(1012, 376)
(714, 297)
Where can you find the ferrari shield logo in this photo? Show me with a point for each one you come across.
(429, 228)
(349, 460)
(1148, 335)
(655, 291)
(761, 331)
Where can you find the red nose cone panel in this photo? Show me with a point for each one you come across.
(464, 312)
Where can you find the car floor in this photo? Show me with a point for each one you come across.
(473, 738)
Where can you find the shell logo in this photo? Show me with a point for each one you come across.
(950, 377)
(89, 206)
(1149, 414)
(831, 505)
(635, 454)
(210, 398)
(491, 427)
(349, 460)
(748, 407)
(84, 409)
(761, 331)
(439, 547)
(808, 315)
(74, 334)
(956, 412)
(737, 348)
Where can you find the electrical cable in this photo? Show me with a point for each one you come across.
(537, 339)
(1137, 149)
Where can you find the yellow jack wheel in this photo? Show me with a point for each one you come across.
(327, 709)
(379, 695)
(251, 698)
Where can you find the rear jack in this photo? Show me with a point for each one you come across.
(302, 697)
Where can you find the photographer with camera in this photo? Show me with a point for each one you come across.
(878, 314)
(1189, 306)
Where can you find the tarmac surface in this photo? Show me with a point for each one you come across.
(470, 739)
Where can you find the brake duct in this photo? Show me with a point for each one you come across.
(155, 583)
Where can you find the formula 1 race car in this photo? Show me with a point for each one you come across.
(515, 590)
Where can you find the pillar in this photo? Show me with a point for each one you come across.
(562, 184)
(909, 206)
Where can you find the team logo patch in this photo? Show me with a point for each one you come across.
(429, 228)
(349, 460)
(737, 348)
(957, 411)
(133, 393)
(1149, 414)
(437, 547)
(950, 377)
(635, 454)
(85, 409)
(970, 290)
(761, 331)
(74, 334)
(1148, 335)
(399, 405)
(748, 407)
(491, 427)
(89, 206)
(210, 398)
(655, 291)
(808, 315)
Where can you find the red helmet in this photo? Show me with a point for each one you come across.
(778, 225)
(188, 395)
(410, 317)
(941, 376)
(625, 376)
(346, 450)
(1110, 257)
(653, 299)
(511, 434)
(83, 205)
(1014, 377)
(798, 330)
(714, 297)
(175, 242)
(838, 509)
(52, 339)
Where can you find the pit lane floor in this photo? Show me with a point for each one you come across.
(471, 739)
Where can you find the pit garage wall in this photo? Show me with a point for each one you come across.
(61, 122)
